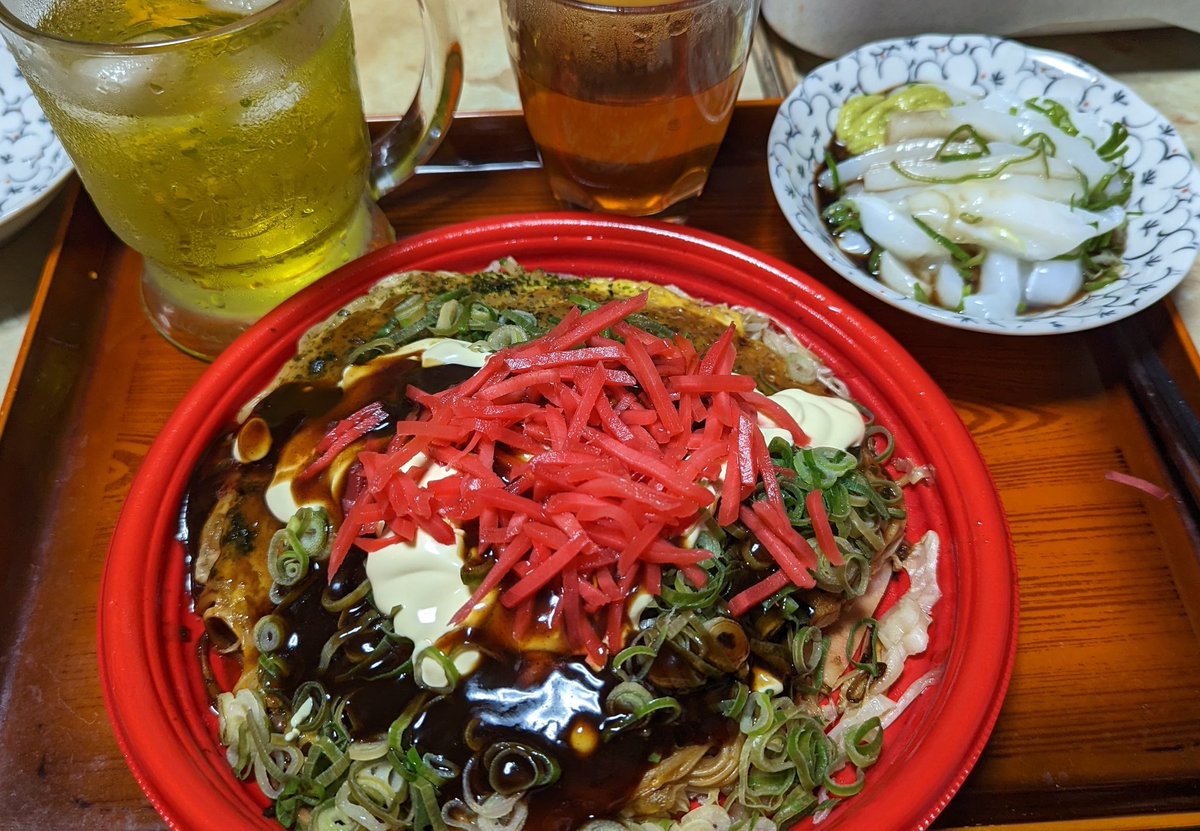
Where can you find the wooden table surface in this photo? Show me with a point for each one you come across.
(1101, 725)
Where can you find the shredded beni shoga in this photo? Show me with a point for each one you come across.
(605, 488)
(602, 467)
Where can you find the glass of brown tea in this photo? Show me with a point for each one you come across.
(628, 100)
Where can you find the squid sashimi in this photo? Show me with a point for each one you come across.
(992, 207)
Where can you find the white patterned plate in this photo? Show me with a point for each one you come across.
(1162, 241)
(33, 165)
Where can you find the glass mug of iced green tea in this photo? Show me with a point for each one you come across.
(224, 140)
(628, 100)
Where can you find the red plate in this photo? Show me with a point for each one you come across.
(147, 633)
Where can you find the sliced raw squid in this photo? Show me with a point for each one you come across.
(999, 295)
(1004, 220)
(1053, 282)
(894, 229)
(948, 286)
(989, 206)
(896, 275)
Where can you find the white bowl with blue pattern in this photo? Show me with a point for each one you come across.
(33, 164)
(1161, 242)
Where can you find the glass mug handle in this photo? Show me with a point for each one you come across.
(413, 139)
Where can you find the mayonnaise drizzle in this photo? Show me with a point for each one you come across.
(826, 420)
(420, 584)
(433, 352)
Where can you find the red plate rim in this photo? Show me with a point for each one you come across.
(151, 689)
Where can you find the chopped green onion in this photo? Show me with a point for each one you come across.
(680, 594)
(482, 317)
(1099, 198)
(287, 559)
(844, 790)
(1106, 278)
(867, 663)
(585, 304)
(630, 652)
(880, 456)
(966, 292)
(520, 317)
(352, 598)
(325, 762)
(1040, 141)
(798, 804)
(854, 574)
(864, 743)
(873, 261)
(312, 695)
(514, 767)
(269, 633)
(272, 666)
(733, 707)
(450, 319)
(505, 336)
(649, 324)
(310, 531)
(431, 654)
(445, 297)
(630, 704)
(810, 751)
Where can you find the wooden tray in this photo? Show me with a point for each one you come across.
(1101, 726)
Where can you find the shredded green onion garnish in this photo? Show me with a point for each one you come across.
(1055, 112)
(842, 216)
(873, 260)
(957, 180)
(831, 165)
(964, 136)
(1045, 144)
(964, 260)
(1114, 148)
